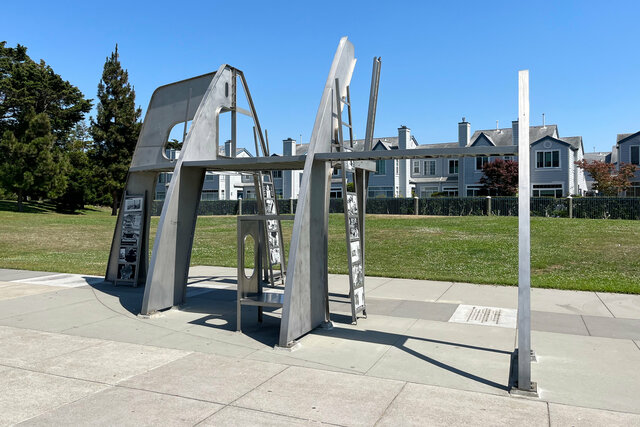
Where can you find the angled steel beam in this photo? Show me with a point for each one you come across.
(306, 290)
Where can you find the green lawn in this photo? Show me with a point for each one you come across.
(584, 254)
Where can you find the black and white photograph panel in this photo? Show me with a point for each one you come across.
(126, 271)
(132, 220)
(355, 252)
(274, 255)
(131, 254)
(354, 230)
(123, 253)
(133, 204)
(272, 225)
(358, 297)
(268, 191)
(130, 237)
(269, 207)
(352, 205)
(358, 277)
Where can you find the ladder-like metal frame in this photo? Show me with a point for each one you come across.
(268, 205)
(351, 216)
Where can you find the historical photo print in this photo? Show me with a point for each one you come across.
(274, 255)
(358, 277)
(355, 252)
(131, 254)
(269, 207)
(126, 271)
(123, 253)
(133, 204)
(352, 205)
(268, 192)
(354, 231)
(358, 297)
(130, 237)
(272, 225)
(132, 220)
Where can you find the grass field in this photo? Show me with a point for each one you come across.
(582, 254)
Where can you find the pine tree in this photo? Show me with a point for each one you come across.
(33, 164)
(115, 131)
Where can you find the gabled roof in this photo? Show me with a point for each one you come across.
(602, 156)
(503, 137)
(622, 137)
(573, 142)
(439, 145)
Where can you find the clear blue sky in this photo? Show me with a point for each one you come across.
(441, 61)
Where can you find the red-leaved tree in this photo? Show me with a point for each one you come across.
(608, 180)
(500, 178)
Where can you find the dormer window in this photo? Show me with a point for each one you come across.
(548, 159)
(635, 154)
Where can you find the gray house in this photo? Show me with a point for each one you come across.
(627, 150)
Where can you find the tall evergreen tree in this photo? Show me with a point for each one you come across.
(27, 86)
(115, 131)
(33, 164)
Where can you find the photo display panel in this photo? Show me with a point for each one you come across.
(130, 239)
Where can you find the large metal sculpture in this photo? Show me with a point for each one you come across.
(305, 303)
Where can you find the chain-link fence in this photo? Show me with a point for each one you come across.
(579, 207)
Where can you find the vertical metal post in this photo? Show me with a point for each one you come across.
(570, 199)
(488, 205)
(524, 236)
(416, 206)
(239, 206)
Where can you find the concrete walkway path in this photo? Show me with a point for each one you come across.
(74, 351)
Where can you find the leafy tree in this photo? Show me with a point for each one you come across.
(79, 189)
(500, 178)
(33, 164)
(115, 131)
(28, 87)
(608, 180)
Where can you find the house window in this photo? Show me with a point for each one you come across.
(335, 193)
(635, 154)
(380, 192)
(209, 195)
(416, 167)
(160, 195)
(453, 166)
(277, 174)
(381, 167)
(336, 172)
(633, 191)
(547, 190)
(209, 177)
(450, 191)
(508, 158)
(481, 161)
(547, 159)
(427, 191)
(430, 167)
(473, 190)
(247, 178)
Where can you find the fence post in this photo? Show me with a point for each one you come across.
(291, 206)
(488, 205)
(415, 206)
(240, 206)
(570, 206)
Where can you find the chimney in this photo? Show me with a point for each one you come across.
(289, 147)
(514, 131)
(464, 131)
(543, 124)
(227, 148)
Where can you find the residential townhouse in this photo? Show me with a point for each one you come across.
(626, 150)
(553, 169)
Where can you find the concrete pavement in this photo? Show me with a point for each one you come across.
(74, 351)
